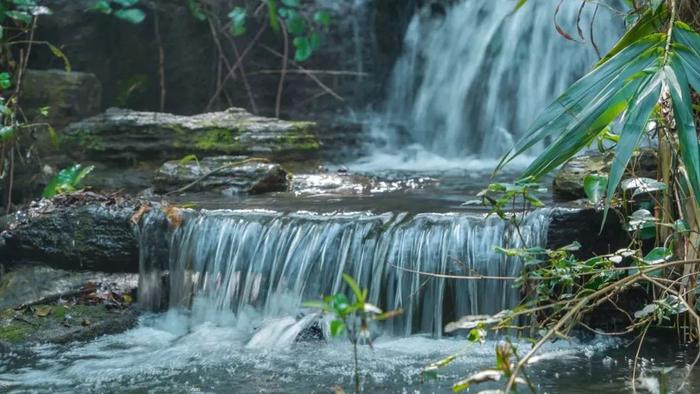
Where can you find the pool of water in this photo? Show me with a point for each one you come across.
(169, 353)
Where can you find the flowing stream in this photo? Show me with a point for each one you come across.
(224, 309)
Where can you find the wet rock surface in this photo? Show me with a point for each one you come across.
(93, 310)
(583, 225)
(128, 136)
(568, 182)
(225, 174)
(82, 231)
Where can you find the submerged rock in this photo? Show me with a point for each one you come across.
(229, 175)
(125, 135)
(568, 182)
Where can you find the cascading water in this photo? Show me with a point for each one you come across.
(237, 260)
(469, 82)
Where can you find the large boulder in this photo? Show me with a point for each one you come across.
(568, 182)
(225, 174)
(127, 136)
(69, 96)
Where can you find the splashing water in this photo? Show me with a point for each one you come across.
(471, 81)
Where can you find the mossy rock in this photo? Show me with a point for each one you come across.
(229, 175)
(61, 323)
(128, 136)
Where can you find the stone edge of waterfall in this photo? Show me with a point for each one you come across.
(93, 236)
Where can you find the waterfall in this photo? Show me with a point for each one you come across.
(271, 262)
(469, 82)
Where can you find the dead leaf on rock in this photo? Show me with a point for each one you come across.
(173, 214)
(143, 209)
(42, 311)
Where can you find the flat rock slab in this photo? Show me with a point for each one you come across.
(127, 136)
(226, 174)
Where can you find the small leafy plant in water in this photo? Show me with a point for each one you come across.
(352, 318)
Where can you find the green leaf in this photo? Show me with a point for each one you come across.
(102, 6)
(681, 102)
(295, 22)
(594, 186)
(519, 5)
(57, 52)
(303, 49)
(354, 287)
(635, 122)
(681, 226)
(5, 80)
(67, 180)
(6, 133)
(131, 15)
(649, 23)
(314, 41)
(598, 85)
(238, 18)
(53, 137)
(272, 14)
(291, 3)
(642, 185)
(126, 3)
(20, 16)
(581, 132)
(337, 328)
(658, 255)
(196, 10)
(322, 17)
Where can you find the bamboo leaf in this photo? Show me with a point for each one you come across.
(610, 77)
(581, 132)
(649, 23)
(682, 108)
(634, 124)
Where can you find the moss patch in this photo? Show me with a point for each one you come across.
(218, 139)
(42, 322)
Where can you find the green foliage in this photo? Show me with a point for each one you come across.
(628, 84)
(304, 30)
(126, 10)
(196, 10)
(504, 198)
(67, 180)
(594, 186)
(237, 17)
(352, 317)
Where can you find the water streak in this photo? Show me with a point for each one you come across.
(272, 262)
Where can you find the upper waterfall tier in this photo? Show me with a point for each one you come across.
(469, 82)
